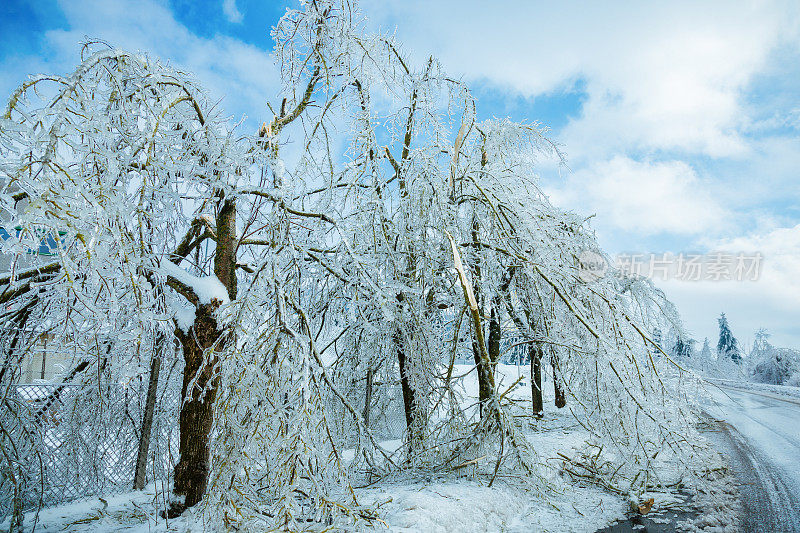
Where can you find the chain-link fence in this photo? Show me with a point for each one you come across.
(81, 451)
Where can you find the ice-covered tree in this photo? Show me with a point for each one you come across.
(770, 364)
(705, 351)
(727, 346)
(133, 171)
(705, 360)
(657, 340)
(321, 271)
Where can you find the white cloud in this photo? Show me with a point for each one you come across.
(663, 75)
(241, 76)
(770, 301)
(664, 146)
(641, 196)
(232, 13)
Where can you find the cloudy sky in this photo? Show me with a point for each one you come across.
(680, 120)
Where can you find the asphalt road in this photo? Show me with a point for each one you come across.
(760, 436)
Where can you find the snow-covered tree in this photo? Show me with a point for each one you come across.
(770, 364)
(657, 340)
(135, 173)
(705, 351)
(705, 360)
(727, 346)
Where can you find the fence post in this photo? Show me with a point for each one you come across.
(147, 424)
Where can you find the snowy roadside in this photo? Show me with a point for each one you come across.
(779, 390)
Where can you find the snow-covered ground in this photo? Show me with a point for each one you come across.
(470, 505)
(439, 503)
(761, 438)
(435, 505)
(446, 503)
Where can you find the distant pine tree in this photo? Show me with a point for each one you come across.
(727, 346)
(678, 348)
(657, 337)
(683, 348)
(705, 352)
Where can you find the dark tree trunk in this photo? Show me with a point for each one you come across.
(484, 377)
(483, 367)
(558, 384)
(368, 396)
(227, 244)
(485, 372)
(203, 339)
(147, 420)
(535, 354)
(494, 336)
(416, 417)
(197, 410)
(413, 423)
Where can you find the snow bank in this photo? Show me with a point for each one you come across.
(133, 512)
(779, 390)
(467, 505)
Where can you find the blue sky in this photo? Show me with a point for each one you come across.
(680, 120)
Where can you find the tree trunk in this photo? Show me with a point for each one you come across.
(197, 410)
(204, 338)
(44, 356)
(368, 396)
(227, 244)
(486, 372)
(147, 420)
(483, 367)
(535, 354)
(484, 377)
(558, 385)
(414, 424)
(494, 335)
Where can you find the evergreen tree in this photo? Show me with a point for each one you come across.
(683, 348)
(705, 352)
(657, 337)
(727, 346)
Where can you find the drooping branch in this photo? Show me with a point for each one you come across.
(34, 272)
(283, 205)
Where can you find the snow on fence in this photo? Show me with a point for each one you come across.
(78, 453)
